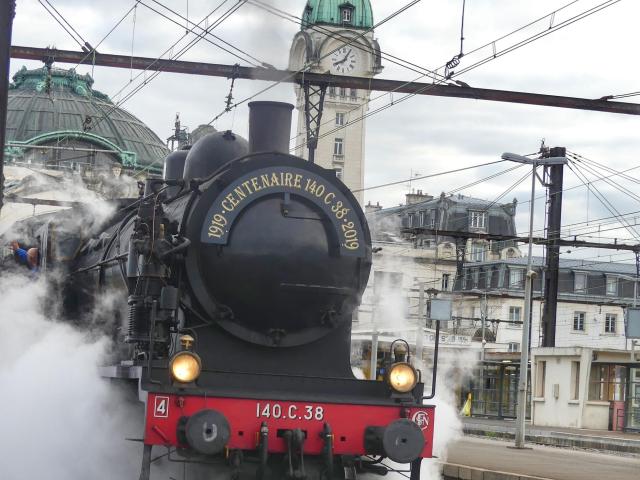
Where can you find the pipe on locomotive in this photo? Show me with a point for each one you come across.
(269, 131)
(269, 126)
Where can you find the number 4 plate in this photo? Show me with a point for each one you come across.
(161, 407)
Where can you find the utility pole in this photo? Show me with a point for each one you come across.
(483, 320)
(521, 408)
(420, 326)
(553, 177)
(7, 12)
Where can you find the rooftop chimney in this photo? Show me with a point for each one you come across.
(417, 197)
(370, 208)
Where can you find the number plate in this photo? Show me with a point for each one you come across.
(161, 407)
(294, 412)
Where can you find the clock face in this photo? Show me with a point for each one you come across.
(344, 60)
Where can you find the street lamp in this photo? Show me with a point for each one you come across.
(528, 288)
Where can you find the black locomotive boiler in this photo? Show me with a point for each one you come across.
(241, 270)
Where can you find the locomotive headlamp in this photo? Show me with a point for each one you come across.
(402, 377)
(185, 366)
(186, 341)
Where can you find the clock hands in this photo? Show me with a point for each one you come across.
(343, 60)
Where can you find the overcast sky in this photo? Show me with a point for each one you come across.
(590, 58)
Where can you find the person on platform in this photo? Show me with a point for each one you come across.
(28, 258)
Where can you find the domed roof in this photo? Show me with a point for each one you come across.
(61, 105)
(330, 12)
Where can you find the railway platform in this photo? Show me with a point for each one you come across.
(601, 440)
(473, 458)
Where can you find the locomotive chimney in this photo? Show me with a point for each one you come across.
(269, 126)
(173, 169)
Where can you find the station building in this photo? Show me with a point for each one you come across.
(591, 379)
(64, 139)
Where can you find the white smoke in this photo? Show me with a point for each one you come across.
(395, 317)
(59, 419)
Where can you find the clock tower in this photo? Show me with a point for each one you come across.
(332, 39)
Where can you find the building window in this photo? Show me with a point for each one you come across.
(354, 94)
(343, 92)
(339, 118)
(514, 347)
(541, 373)
(338, 146)
(610, 320)
(516, 277)
(432, 219)
(446, 279)
(423, 218)
(477, 219)
(346, 14)
(339, 171)
(578, 321)
(514, 316)
(580, 283)
(332, 91)
(575, 380)
(612, 286)
(607, 382)
(410, 216)
(477, 252)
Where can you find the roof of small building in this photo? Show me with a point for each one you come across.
(328, 12)
(60, 100)
(458, 199)
(568, 264)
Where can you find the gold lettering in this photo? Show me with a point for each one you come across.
(329, 197)
(246, 185)
(282, 184)
(320, 191)
(306, 187)
(254, 182)
(265, 181)
(232, 199)
(297, 180)
(274, 180)
(287, 179)
(224, 205)
(215, 232)
(312, 187)
(240, 193)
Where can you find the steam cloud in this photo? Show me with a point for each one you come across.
(392, 308)
(59, 419)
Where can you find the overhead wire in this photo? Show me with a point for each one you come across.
(603, 200)
(513, 32)
(250, 59)
(514, 47)
(307, 65)
(60, 22)
(181, 52)
(86, 44)
(117, 24)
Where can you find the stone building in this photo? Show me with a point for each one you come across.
(320, 45)
(55, 119)
(66, 141)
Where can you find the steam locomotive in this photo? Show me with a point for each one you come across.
(241, 269)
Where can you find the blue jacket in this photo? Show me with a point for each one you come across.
(21, 253)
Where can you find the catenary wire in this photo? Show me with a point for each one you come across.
(184, 49)
(306, 66)
(247, 57)
(514, 47)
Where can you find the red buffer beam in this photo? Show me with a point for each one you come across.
(272, 75)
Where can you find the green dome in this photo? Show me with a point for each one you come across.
(347, 13)
(61, 106)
